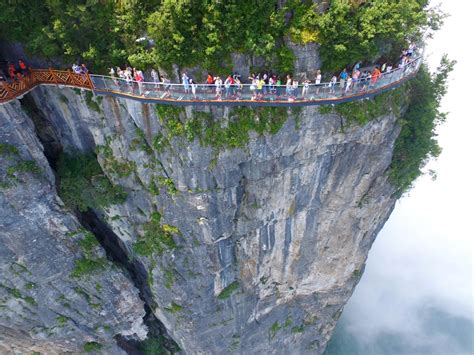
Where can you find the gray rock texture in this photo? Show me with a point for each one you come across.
(307, 60)
(42, 307)
(273, 236)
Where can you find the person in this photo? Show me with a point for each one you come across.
(271, 83)
(348, 85)
(155, 77)
(11, 71)
(343, 77)
(288, 85)
(265, 83)
(355, 78)
(210, 79)
(229, 81)
(129, 78)
(294, 89)
(375, 76)
(253, 87)
(366, 78)
(23, 67)
(332, 84)
(218, 84)
(185, 81)
(411, 49)
(318, 81)
(260, 84)
(238, 88)
(139, 79)
(193, 88)
(305, 88)
(278, 86)
(84, 69)
(166, 82)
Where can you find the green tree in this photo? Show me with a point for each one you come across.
(417, 143)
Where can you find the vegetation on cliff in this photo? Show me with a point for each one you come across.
(417, 103)
(206, 32)
(83, 185)
(417, 143)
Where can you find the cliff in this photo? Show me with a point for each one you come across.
(267, 235)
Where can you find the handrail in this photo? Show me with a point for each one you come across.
(205, 94)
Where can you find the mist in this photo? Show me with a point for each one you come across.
(416, 295)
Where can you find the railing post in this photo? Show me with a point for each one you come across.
(90, 82)
(51, 71)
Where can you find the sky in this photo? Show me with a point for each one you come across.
(416, 295)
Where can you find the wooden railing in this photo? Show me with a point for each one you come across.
(16, 88)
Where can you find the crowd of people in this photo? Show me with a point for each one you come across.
(262, 84)
(14, 72)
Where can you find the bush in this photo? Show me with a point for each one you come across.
(91, 346)
(87, 266)
(83, 185)
(156, 237)
(153, 346)
(417, 143)
(228, 290)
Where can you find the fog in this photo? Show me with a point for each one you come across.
(416, 295)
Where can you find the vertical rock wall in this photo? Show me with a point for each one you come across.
(272, 237)
(42, 306)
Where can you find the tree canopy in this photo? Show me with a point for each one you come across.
(103, 33)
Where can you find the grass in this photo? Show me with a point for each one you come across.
(227, 291)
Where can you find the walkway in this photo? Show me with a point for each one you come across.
(179, 94)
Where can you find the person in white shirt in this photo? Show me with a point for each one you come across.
(318, 81)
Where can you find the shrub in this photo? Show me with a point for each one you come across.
(83, 185)
(228, 290)
(91, 346)
(86, 266)
(156, 237)
(417, 142)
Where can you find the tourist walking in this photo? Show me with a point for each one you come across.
(332, 85)
(304, 92)
(185, 81)
(318, 81)
(155, 77)
(343, 77)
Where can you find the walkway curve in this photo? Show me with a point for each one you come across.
(179, 94)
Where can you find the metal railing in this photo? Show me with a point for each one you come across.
(195, 94)
(248, 94)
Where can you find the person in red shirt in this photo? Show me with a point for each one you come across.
(210, 82)
(375, 75)
(23, 68)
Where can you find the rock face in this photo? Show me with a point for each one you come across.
(272, 240)
(43, 307)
